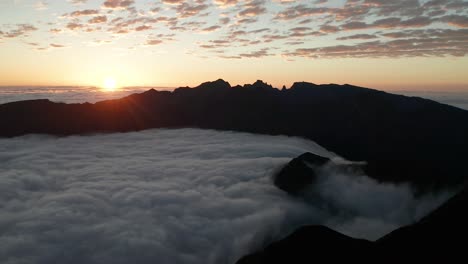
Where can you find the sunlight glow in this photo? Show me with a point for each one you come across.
(110, 84)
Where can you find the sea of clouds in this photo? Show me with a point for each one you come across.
(175, 196)
(66, 94)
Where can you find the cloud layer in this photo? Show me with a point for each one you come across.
(174, 196)
(67, 94)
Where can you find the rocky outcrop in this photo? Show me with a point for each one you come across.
(299, 173)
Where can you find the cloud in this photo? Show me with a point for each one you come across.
(456, 20)
(211, 28)
(287, 1)
(20, 30)
(57, 45)
(173, 2)
(87, 12)
(299, 11)
(152, 42)
(143, 28)
(253, 8)
(41, 5)
(329, 29)
(225, 3)
(74, 26)
(174, 196)
(389, 23)
(78, 2)
(376, 206)
(249, 20)
(121, 26)
(224, 19)
(118, 4)
(185, 10)
(294, 42)
(358, 36)
(410, 43)
(256, 54)
(98, 20)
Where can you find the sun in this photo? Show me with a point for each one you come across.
(110, 84)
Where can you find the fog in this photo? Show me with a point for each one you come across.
(175, 196)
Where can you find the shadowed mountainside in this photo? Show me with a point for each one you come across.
(402, 138)
(438, 237)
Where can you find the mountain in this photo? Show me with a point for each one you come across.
(310, 244)
(299, 173)
(403, 138)
(437, 238)
(441, 233)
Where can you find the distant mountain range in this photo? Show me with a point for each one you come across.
(402, 138)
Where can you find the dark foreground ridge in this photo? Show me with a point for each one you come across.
(402, 138)
(437, 238)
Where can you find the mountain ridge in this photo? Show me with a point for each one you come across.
(404, 138)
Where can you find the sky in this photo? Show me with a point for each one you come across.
(400, 44)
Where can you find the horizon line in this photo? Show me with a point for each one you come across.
(383, 87)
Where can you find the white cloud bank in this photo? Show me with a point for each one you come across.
(173, 196)
(67, 94)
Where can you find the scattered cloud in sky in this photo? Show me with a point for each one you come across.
(57, 45)
(335, 28)
(175, 196)
(86, 12)
(41, 5)
(77, 2)
(118, 4)
(20, 30)
(98, 19)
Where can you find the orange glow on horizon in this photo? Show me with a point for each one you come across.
(110, 84)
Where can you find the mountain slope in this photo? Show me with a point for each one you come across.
(437, 238)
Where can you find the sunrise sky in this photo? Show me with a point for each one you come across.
(398, 44)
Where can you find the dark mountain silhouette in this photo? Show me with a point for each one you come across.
(437, 238)
(311, 244)
(299, 173)
(302, 171)
(402, 138)
(442, 232)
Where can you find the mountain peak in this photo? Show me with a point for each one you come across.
(260, 85)
(301, 85)
(218, 84)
